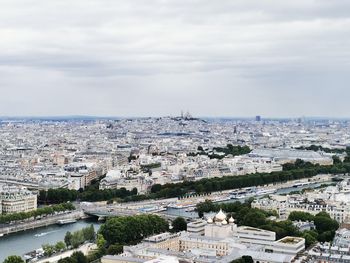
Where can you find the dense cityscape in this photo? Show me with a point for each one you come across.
(177, 189)
(174, 131)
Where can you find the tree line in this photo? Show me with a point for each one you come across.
(316, 148)
(48, 210)
(49, 250)
(291, 171)
(91, 194)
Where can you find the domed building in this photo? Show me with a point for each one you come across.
(219, 226)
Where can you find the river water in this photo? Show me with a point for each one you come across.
(23, 242)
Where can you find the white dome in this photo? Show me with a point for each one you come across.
(210, 220)
(220, 216)
(231, 220)
(224, 222)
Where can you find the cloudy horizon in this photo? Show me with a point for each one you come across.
(158, 57)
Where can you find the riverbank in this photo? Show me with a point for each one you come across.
(85, 249)
(26, 241)
(18, 227)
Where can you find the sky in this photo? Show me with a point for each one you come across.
(231, 58)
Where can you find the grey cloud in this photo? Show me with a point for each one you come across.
(156, 57)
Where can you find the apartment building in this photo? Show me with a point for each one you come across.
(15, 200)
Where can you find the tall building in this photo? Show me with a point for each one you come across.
(15, 200)
(258, 118)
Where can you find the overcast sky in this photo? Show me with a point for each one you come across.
(158, 57)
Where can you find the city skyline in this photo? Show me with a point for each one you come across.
(154, 58)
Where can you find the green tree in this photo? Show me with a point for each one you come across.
(254, 218)
(309, 238)
(60, 246)
(13, 259)
(244, 259)
(79, 257)
(336, 159)
(326, 236)
(324, 223)
(199, 188)
(101, 243)
(77, 239)
(300, 216)
(156, 188)
(68, 239)
(48, 250)
(115, 249)
(179, 224)
(124, 230)
(89, 233)
(248, 259)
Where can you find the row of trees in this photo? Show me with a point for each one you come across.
(298, 170)
(324, 149)
(55, 196)
(77, 238)
(48, 210)
(291, 171)
(295, 171)
(91, 194)
(247, 216)
(71, 240)
(49, 250)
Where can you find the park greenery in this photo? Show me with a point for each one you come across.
(77, 238)
(13, 259)
(43, 211)
(148, 167)
(179, 224)
(246, 216)
(132, 229)
(325, 225)
(221, 152)
(76, 257)
(244, 259)
(129, 230)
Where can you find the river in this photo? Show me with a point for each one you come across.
(23, 242)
